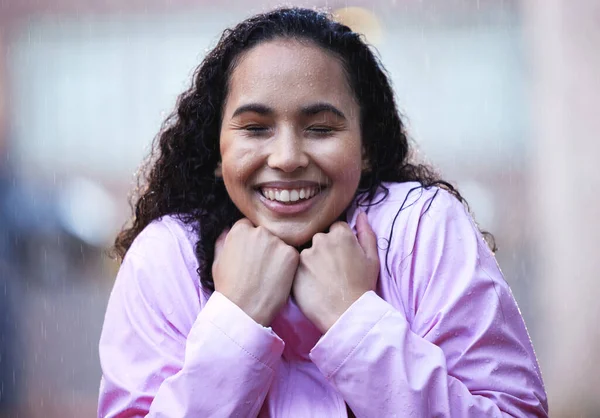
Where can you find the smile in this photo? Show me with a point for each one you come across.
(288, 195)
(290, 198)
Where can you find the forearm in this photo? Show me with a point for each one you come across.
(382, 368)
(226, 370)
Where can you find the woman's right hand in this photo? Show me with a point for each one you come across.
(254, 269)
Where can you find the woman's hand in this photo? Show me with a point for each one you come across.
(254, 269)
(337, 270)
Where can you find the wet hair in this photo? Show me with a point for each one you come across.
(179, 177)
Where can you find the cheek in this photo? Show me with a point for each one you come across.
(238, 163)
(348, 166)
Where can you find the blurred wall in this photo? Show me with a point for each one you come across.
(564, 39)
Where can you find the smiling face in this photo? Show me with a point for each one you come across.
(290, 141)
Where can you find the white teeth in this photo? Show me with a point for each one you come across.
(291, 195)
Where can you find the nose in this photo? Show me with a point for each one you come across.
(287, 153)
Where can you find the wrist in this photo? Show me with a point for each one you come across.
(335, 311)
(261, 314)
(327, 321)
(261, 318)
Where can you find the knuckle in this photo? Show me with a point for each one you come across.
(262, 231)
(235, 232)
(241, 222)
(336, 225)
(240, 225)
(291, 253)
(318, 238)
(340, 229)
(306, 253)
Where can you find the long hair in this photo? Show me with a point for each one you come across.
(179, 178)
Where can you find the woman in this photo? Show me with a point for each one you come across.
(287, 258)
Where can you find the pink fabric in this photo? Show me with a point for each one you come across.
(441, 337)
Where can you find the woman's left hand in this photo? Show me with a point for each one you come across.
(337, 270)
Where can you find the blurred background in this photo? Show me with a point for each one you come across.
(503, 96)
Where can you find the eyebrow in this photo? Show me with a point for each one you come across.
(322, 107)
(309, 110)
(254, 108)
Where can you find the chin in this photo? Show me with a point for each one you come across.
(293, 238)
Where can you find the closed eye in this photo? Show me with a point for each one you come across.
(256, 130)
(320, 129)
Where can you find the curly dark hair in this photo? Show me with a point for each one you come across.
(179, 178)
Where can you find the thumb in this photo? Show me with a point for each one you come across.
(366, 237)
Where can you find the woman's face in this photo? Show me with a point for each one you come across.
(291, 151)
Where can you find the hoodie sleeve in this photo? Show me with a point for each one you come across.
(164, 355)
(464, 353)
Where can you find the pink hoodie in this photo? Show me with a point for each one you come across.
(441, 337)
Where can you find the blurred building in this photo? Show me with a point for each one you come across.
(500, 95)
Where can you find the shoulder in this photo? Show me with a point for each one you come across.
(167, 239)
(405, 207)
(427, 236)
(417, 226)
(160, 270)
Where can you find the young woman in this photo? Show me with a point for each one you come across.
(287, 259)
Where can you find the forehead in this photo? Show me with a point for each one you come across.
(289, 71)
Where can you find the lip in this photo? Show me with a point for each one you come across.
(287, 208)
(300, 184)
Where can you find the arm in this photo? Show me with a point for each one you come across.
(465, 353)
(162, 354)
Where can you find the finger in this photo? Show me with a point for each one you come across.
(220, 242)
(366, 237)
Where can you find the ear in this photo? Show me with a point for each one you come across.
(366, 166)
(219, 170)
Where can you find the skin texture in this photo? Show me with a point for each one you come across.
(291, 117)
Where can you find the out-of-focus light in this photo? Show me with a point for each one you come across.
(362, 21)
(87, 211)
(481, 202)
